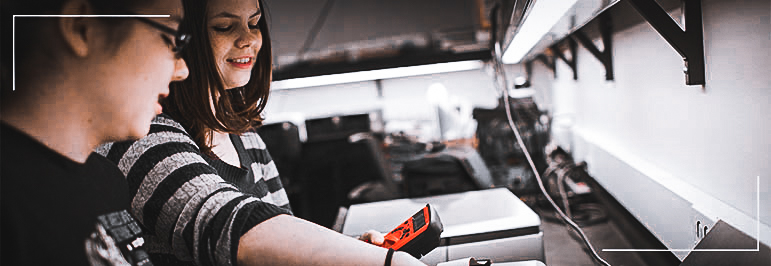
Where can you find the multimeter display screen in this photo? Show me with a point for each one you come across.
(418, 221)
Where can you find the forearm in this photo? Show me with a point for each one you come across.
(286, 240)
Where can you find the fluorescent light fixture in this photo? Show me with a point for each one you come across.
(539, 21)
(377, 74)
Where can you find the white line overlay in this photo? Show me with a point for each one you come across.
(757, 247)
(64, 16)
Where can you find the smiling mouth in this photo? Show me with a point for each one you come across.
(240, 61)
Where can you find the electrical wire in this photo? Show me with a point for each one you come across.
(316, 28)
(498, 67)
(561, 187)
(563, 195)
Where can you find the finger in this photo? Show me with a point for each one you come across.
(375, 237)
(364, 237)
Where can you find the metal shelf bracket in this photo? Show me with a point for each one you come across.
(572, 62)
(548, 61)
(606, 55)
(689, 43)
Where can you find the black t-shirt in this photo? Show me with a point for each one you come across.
(50, 203)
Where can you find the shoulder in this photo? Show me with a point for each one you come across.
(166, 137)
(164, 122)
(164, 129)
(252, 140)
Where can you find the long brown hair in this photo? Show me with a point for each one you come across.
(236, 110)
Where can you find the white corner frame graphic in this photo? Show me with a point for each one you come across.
(13, 77)
(757, 237)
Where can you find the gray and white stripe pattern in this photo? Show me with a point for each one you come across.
(265, 169)
(187, 207)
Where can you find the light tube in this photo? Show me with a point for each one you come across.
(539, 21)
(376, 74)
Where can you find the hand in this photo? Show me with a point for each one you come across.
(288, 240)
(373, 237)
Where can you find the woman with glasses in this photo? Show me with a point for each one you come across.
(70, 82)
(202, 181)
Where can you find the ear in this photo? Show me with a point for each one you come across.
(76, 31)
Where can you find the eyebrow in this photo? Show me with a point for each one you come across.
(231, 15)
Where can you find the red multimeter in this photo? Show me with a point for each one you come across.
(418, 235)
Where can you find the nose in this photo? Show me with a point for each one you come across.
(249, 38)
(180, 70)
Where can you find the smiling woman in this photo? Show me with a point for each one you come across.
(232, 59)
(79, 82)
(236, 40)
(202, 181)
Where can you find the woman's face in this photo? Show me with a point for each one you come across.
(235, 38)
(139, 72)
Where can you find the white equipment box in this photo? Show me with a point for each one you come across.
(486, 224)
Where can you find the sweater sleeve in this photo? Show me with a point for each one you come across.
(267, 172)
(186, 207)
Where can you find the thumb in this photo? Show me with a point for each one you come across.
(373, 237)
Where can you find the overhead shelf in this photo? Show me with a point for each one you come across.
(688, 42)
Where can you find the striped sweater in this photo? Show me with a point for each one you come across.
(195, 208)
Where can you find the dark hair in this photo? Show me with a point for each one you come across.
(236, 110)
(29, 31)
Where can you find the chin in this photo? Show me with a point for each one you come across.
(237, 82)
(126, 128)
(133, 135)
(140, 130)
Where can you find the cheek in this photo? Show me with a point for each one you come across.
(218, 46)
(159, 72)
(258, 46)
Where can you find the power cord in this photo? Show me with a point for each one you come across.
(316, 28)
(499, 71)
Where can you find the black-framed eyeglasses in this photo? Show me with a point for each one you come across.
(180, 39)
